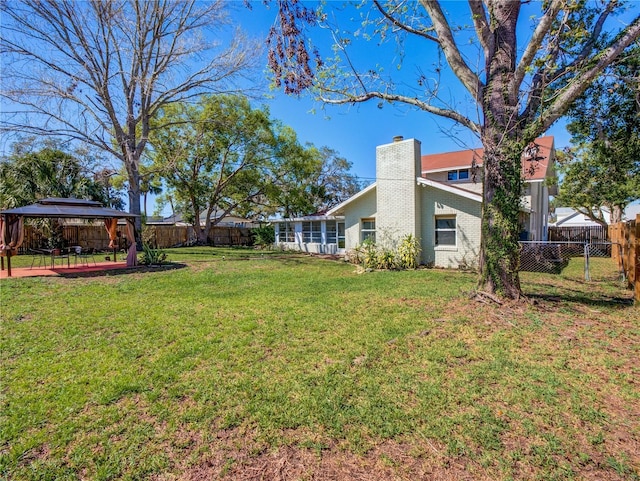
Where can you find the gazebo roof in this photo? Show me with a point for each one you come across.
(55, 207)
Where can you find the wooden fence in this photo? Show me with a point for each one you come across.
(160, 236)
(164, 236)
(627, 236)
(591, 234)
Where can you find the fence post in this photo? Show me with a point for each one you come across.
(587, 274)
(615, 239)
(635, 236)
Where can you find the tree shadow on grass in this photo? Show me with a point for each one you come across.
(122, 271)
(587, 294)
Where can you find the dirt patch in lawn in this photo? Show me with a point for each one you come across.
(235, 456)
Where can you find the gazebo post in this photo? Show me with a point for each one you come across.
(6, 254)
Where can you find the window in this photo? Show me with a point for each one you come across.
(446, 231)
(368, 230)
(462, 174)
(341, 236)
(331, 232)
(312, 232)
(286, 233)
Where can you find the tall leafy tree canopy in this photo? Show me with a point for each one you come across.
(31, 173)
(520, 65)
(603, 167)
(314, 182)
(221, 156)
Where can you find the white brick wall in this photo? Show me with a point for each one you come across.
(436, 202)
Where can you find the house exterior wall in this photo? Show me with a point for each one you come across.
(467, 212)
(402, 203)
(362, 208)
(467, 185)
(538, 202)
(398, 207)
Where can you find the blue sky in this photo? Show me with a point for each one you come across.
(355, 131)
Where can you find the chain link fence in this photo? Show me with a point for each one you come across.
(583, 260)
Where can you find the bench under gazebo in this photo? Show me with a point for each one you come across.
(12, 223)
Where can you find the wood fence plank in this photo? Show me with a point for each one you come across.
(94, 236)
(637, 260)
(626, 235)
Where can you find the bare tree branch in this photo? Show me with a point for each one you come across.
(469, 79)
(388, 97)
(407, 28)
(539, 34)
(481, 24)
(98, 71)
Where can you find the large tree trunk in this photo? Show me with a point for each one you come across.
(131, 159)
(501, 138)
(203, 233)
(499, 256)
(134, 201)
(616, 213)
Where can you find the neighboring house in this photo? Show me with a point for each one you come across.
(569, 217)
(225, 221)
(436, 198)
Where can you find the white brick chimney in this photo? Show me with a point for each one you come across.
(398, 164)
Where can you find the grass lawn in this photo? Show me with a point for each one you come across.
(241, 365)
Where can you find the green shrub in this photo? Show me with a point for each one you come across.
(264, 236)
(405, 256)
(369, 253)
(409, 252)
(152, 256)
(386, 259)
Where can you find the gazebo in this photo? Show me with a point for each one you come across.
(12, 222)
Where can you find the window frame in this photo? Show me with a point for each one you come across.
(443, 230)
(283, 231)
(368, 233)
(310, 235)
(331, 234)
(454, 175)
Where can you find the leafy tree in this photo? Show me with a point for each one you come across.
(316, 181)
(220, 156)
(28, 175)
(150, 183)
(603, 168)
(516, 90)
(99, 71)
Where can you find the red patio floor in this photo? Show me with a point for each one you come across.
(62, 271)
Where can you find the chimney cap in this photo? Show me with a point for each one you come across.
(398, 138)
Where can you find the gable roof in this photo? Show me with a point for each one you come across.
(533, 169)
(453, 189)
(338, 208)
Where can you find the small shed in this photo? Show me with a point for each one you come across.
(12, 222)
